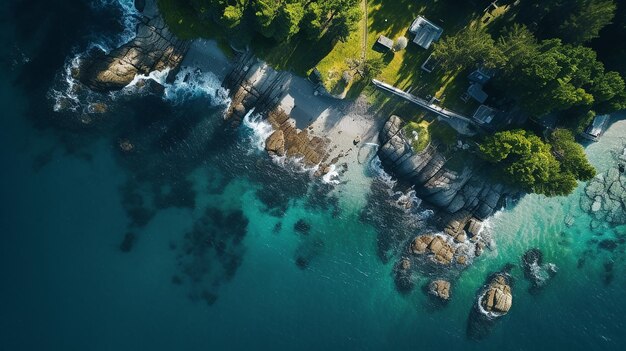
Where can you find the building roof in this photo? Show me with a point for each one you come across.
(477, 93)
(384, 41)
(480, 76)
(484, 114)
(596, 128)
(425, 32)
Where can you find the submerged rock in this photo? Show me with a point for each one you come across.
(126, 145)
(128, 242)
(402, 278)
(604, 198)
(302, 227)
(535, 270)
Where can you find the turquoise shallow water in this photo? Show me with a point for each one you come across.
(211, 267)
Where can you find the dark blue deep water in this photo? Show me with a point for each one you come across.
(191, 241)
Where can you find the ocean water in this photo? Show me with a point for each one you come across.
(197, 240)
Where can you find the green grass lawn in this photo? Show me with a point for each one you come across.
(417, 133)
(392, 18)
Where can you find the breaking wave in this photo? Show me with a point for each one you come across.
(191, 83)
(261, 130)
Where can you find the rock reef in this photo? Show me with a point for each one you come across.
(535, 270)
(605, 196)
(434, 246)
(256, 87)
(287, 140)
(153, 49)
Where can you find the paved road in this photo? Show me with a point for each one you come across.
(423, 103)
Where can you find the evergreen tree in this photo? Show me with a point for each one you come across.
(468, 48)
(586, 21)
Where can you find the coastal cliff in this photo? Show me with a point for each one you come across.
(459, 194)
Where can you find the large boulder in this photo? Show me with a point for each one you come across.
(154, 48)
(275, 143)
(440, 288)
(498, 297)
(435, 246)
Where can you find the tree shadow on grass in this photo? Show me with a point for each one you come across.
(298, 54)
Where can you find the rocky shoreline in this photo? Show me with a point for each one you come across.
(465, 196)
(154, 48)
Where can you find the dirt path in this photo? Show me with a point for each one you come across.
(364, 43)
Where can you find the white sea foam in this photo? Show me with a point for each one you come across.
(65, 96)
(376, 167)
(332, 177)
(483, 311)
(157, 76)
(191, 83)
(260, 128)
(129, 20)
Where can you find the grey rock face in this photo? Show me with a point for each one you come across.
(454, 192)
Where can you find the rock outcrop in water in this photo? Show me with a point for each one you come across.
(255, 86)
(434, 246)
(440, 289)
(494, 300)
(498, 297)
(153, 49)
(461, 194)
(535, 270)
(287, 140)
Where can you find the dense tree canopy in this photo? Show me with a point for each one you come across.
(574, 21)
(282, 19)
(571, 155)
(529, 163)
(543, 76)
(468, 48)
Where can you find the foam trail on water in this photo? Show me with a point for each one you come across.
(66, 97)
(376, 167)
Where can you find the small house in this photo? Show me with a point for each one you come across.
(595, 130)
(383, 43)
(484, 114)
(476, 92)
(425, 32)
(480, 76)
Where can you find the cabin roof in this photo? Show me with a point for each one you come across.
(484, 114)
(425, 32)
